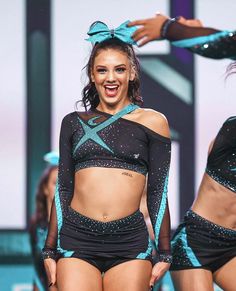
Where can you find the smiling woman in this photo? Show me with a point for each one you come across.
(112, 66)
(111, 74)
(106, 153)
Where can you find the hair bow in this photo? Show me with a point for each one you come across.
(52, 158)
(100, 32)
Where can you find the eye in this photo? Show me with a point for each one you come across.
(121, 70)
(101, 70)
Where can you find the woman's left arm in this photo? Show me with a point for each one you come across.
(157, 201)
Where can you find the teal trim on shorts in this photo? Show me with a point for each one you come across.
(148, 252)
(190, 254)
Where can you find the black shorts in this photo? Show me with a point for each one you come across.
(104, 244)
(200, 243)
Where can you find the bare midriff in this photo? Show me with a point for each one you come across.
(216, 203)
(107, 194)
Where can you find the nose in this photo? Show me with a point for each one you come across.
(111, 77)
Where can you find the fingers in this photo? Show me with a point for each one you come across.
(137, 22)
(152, 281)
(155, 277)
(144, 35)
(199, 23)
(53, 278)
(50, 266)
(195, 22)
(52, 282)
(143, 41)
(141, 37)
(181, 19)
(189, 22)
(138, 34)
(157, 272)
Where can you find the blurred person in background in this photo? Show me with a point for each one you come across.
(39, 222)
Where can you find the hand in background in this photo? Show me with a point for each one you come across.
(150, 29)
(190, 22)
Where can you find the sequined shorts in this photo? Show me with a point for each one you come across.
(200, 243)
(104, 244)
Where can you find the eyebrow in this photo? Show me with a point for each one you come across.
(124, 65)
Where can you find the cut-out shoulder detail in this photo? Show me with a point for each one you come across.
(155, 121)
(148, 118)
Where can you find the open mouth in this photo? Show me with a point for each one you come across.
(111, 90)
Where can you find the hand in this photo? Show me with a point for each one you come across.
(150, 29)
(190, 22)
(158, 271)
(50, 267)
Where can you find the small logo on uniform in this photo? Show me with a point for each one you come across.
(91, 121)
(136, 156)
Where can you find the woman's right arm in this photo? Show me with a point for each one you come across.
(204, 41)
(63, 195)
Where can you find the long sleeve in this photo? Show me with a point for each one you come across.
(157, 201)
(49, 250)
(204, 41)
(64, 190)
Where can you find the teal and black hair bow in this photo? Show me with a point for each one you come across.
(100, 32)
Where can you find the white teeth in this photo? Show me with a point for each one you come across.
(111, 86)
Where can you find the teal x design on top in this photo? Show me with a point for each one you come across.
(91, 133)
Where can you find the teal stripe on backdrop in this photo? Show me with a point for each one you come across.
(169, 78)
(15, 277)
(15, 247)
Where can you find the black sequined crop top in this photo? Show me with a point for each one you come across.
(221, 163)
(111, 145)
(98, 139)
(204, 41)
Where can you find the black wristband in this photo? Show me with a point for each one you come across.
(166, 258)
(165, 27)
(49, 254)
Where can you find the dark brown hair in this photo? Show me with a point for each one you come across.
(90, 94)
